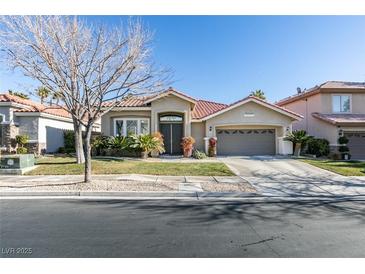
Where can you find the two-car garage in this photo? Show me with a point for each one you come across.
(246, 141)
(250, 127)
(356, 144)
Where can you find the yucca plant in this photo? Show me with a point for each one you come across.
(120, 142)
(146, 143)
(99, 143)
(159, 149)
(298, 138)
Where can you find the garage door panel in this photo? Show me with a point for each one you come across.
(356, 144)
(246, 142)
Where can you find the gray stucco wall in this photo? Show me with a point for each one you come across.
(28, 126)
(55, 139)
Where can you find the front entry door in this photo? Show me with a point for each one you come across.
(173, 134)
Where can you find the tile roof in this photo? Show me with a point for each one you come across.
(52, 110)
(342, 85)
(141, 101)
(316, 89)
(341, 118)
(132, 101)
(6, 97)
(31, 106)
(204, 108)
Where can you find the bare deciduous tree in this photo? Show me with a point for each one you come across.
(84, 65)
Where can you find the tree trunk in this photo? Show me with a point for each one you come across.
(87, 152)
(297, 149)
(80, 158)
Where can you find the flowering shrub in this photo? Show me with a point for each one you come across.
(212, 147)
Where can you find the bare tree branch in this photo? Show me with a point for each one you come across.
(85, 66)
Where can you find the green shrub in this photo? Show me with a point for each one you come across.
(69, 150)
(21, 150)
(343, 140)
(69, 141)
(22, 140)
(120, 142)
(198, 154)
(318, 147)
(61, 150)
(99, 143)
(343, 149)
(146, 143)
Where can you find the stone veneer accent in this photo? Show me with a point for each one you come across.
(35, 147)
(9, 132)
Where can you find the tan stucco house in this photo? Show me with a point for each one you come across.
(331, 110)
(248, 127)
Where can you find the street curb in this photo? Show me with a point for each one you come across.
(98, 194)
(252, 197)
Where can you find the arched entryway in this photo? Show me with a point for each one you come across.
(171, 127)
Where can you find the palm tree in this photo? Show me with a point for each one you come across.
(57, 96)
(43, 93)
(298, 138)
(259, 94)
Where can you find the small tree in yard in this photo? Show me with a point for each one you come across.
(21, 141)
(91, 69)
(298, 138)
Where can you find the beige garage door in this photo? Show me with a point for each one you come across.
(356, 144)
(246, 141)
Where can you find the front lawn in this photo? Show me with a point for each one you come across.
(346, 168)
(67, 165)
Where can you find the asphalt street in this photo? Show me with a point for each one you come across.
(32, 228)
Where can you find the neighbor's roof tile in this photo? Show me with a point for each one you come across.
(340, 118)
(31, 106)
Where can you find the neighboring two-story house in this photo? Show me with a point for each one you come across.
(331, 110)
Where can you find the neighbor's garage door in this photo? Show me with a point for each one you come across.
(246, 141)
(356, 144)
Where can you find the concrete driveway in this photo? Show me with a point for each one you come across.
(282, 176)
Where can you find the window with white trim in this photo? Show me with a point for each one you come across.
(341, 103)
(131, 126)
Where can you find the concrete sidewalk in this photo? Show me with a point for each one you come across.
(125, 183)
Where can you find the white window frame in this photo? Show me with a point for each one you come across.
(124, 129)
(341, 94)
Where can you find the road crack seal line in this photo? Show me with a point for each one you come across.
(262, 241)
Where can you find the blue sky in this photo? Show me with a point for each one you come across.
(223, 58)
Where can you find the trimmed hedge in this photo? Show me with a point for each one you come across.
(318, 147)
